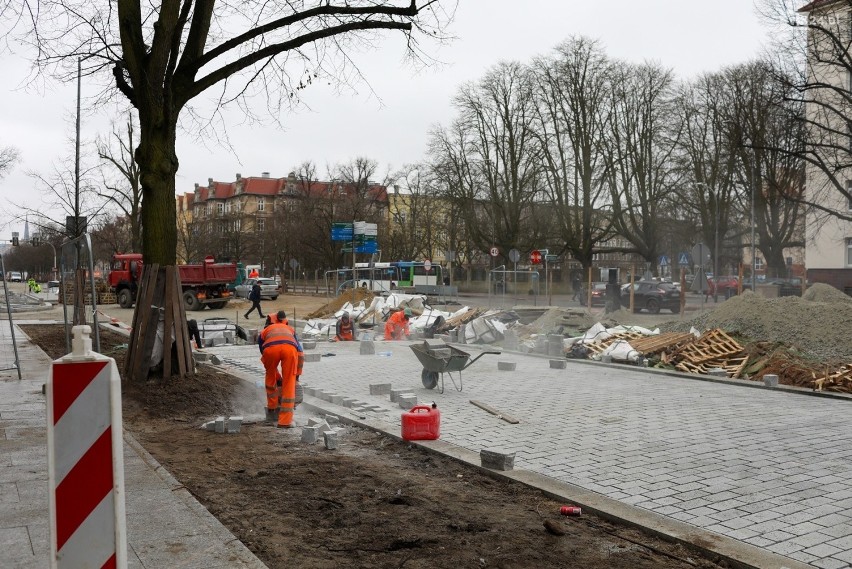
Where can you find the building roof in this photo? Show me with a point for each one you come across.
(265, 186)
(814, 4)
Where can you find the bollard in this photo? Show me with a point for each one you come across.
(85, 457)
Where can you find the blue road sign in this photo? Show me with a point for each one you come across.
(683, 259)
(664, 261)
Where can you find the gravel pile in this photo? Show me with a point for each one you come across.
(818, 327)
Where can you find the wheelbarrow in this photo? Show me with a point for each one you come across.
(444, 360)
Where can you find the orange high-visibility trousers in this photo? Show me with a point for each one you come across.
(286, 357)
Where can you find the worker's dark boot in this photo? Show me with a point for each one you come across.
(271, 415)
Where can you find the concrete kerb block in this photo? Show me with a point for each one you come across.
(407, 401)
(215, 360)
(309, 344)
(332, 419)
(315, 422)
(367, 348)
(310, 434)
(506, 366)
(717, 372)
(770, 380)
(313, 358)
(349, 402)
(494, 460)
(558, 364)
(219, 424)
(336, 399)
(330, 439)
(312, 391)
(201, 356)
(606, 359)
(209, 425)
(380, 388)
(234, 423)
(325, 396)
(395, 393)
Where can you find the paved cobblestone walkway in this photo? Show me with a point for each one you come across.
(769, 468)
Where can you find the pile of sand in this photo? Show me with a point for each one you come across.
(819, 328)
(327, 310)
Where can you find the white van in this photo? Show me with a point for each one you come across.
(16, 277)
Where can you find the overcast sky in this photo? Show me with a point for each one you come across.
(389, 120)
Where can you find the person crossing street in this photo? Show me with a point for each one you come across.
(254, 297)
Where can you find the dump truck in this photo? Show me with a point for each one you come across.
(203, 284)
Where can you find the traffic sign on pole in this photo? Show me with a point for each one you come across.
(535, 257)
(494, 252)
(427, 265)
(85, 456)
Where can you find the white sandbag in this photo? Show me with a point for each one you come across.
(620, 351)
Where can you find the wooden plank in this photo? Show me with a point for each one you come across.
(495, 412)
(168, 321)
(144, 310)
(131, 347)
(180, 316)
(180, 325)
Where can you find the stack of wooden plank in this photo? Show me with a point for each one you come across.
(713, 350)
(649, 345)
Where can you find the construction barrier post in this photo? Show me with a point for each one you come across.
(85, 455)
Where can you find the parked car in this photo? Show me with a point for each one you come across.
(598, 295)
(652, 296)
(268, 288)
(788, 287)
(727, 286)
(16, 277)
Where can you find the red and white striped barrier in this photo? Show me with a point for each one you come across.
(85, 459)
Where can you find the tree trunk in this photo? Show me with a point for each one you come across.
(158, 164)
(159, 291)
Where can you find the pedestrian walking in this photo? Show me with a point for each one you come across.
(254, 297)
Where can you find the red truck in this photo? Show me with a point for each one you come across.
(203, 284)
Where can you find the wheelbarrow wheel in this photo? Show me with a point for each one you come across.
(429, 379)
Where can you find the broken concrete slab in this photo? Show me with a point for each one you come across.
(495, 460)
(314, 422)
(506, 366)
(332, 419)
(558, 364)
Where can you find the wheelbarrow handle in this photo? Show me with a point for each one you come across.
(479, 356)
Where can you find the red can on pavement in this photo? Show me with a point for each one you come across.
(570, 510)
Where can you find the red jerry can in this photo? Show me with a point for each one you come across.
(421, 423)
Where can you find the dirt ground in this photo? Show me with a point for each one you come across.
(375, 502)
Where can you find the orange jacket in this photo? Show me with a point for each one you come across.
(397, 326)
(345, 330)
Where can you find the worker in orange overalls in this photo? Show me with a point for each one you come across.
(280, 348)
(396, 328)
(253, 274)
(345, 329)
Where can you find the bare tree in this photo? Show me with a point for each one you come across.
(573, 110)
(8, 156)
(640, 144)
(766, 134)
(121, 176)
(813, 61)
(418, 216)
(489, 154)
(163, 55)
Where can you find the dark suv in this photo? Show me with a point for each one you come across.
(652, 296)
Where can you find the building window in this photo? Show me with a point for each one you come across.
(220, 208)
(849, 252)
(261, 204)
(237, 225)
(758, 264)
(261, 224)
